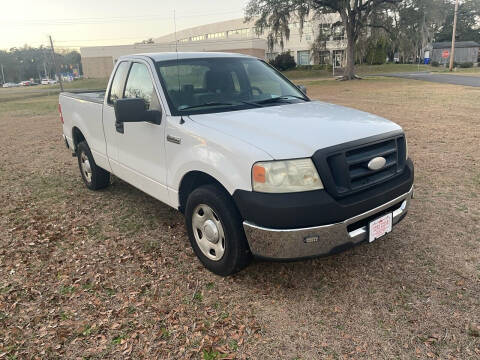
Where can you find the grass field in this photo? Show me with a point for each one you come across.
(110, 274)
(377, 69)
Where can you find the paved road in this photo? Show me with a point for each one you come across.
(440, 78)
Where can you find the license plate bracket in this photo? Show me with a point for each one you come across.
(380, 227)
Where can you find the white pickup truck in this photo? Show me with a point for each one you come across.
(257, 168)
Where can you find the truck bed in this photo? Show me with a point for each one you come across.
(95, 96)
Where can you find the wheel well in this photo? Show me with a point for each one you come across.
(77, 137)
(190, 182)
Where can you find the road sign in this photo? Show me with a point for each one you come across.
(445, 54)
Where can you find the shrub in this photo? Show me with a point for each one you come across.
(435, 63)
(283, 61)
(466, 65)
(377, 52)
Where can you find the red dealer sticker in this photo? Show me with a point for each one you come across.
(445, 54)
(379, 227)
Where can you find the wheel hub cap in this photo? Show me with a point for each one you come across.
(211, 231)
(208, 232)
(86, 168)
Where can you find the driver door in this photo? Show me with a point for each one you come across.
(141, 147)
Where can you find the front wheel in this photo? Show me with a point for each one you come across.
(215, 231)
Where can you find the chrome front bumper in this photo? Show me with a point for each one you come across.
(319, 240)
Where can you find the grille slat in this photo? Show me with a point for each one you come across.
(358, 159)
(362, 172)
(349, 172)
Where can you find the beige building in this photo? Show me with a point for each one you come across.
(229, 36)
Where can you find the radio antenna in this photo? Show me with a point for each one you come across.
(176, 51)
(175, 32)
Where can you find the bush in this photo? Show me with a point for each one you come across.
(435, 63)
(283, 61)
(466, 65)
(377, 52)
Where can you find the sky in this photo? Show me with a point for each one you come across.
(73, 24)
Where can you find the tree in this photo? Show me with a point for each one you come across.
(283, 61)
(27, 62)
(275, 15)
(468, 26)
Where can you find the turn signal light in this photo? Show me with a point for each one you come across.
(258, 174)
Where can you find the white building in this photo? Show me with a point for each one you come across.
(230, 36)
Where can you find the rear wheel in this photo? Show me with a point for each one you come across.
(215, 230)
(94, 177)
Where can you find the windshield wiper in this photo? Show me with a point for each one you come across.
(207, 104)
(280, 98)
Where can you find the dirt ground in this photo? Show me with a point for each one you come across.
(110, 274)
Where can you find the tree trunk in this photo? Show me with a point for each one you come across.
(350, 68)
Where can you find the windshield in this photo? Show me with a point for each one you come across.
(207, 85)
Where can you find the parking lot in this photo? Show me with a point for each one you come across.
(111, 274)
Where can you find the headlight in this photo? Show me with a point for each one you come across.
(285, 176)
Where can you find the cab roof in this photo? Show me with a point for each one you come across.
(163, 56)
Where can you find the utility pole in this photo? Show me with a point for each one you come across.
(55, 64)
(452, 52)
(3, 75)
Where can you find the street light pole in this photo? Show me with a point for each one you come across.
(55, 65)
(452, 52)
(3, 75)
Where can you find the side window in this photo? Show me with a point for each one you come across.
(118, 82)
(139, 84)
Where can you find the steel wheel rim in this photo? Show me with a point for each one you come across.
(86, 168)
(208, 232)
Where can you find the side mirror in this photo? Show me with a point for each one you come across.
(135, 110)
(302, 88)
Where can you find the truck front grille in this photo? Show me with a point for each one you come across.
(346, 169)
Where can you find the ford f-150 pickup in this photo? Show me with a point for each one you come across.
(256, 167)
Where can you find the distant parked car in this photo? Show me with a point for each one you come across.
(48, 82)
(25, 83)
(10, 84)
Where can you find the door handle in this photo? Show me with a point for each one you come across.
(174, 139)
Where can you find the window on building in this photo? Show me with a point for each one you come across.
(325, 29)
(198, 38)
(217, 35)
(239, 32)
(303, 57)
(324, 57)
(308, 37)
(338, 33)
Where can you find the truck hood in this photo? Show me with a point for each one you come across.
(297, 130)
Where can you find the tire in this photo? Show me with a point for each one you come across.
(226, 219)
(94, 177)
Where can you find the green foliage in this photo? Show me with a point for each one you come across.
(467, 23)
(377, 52)
(435, 63)
(30, 63)
(466, 65)
(283, 61)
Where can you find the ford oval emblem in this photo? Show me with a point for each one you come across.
(377, 163)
